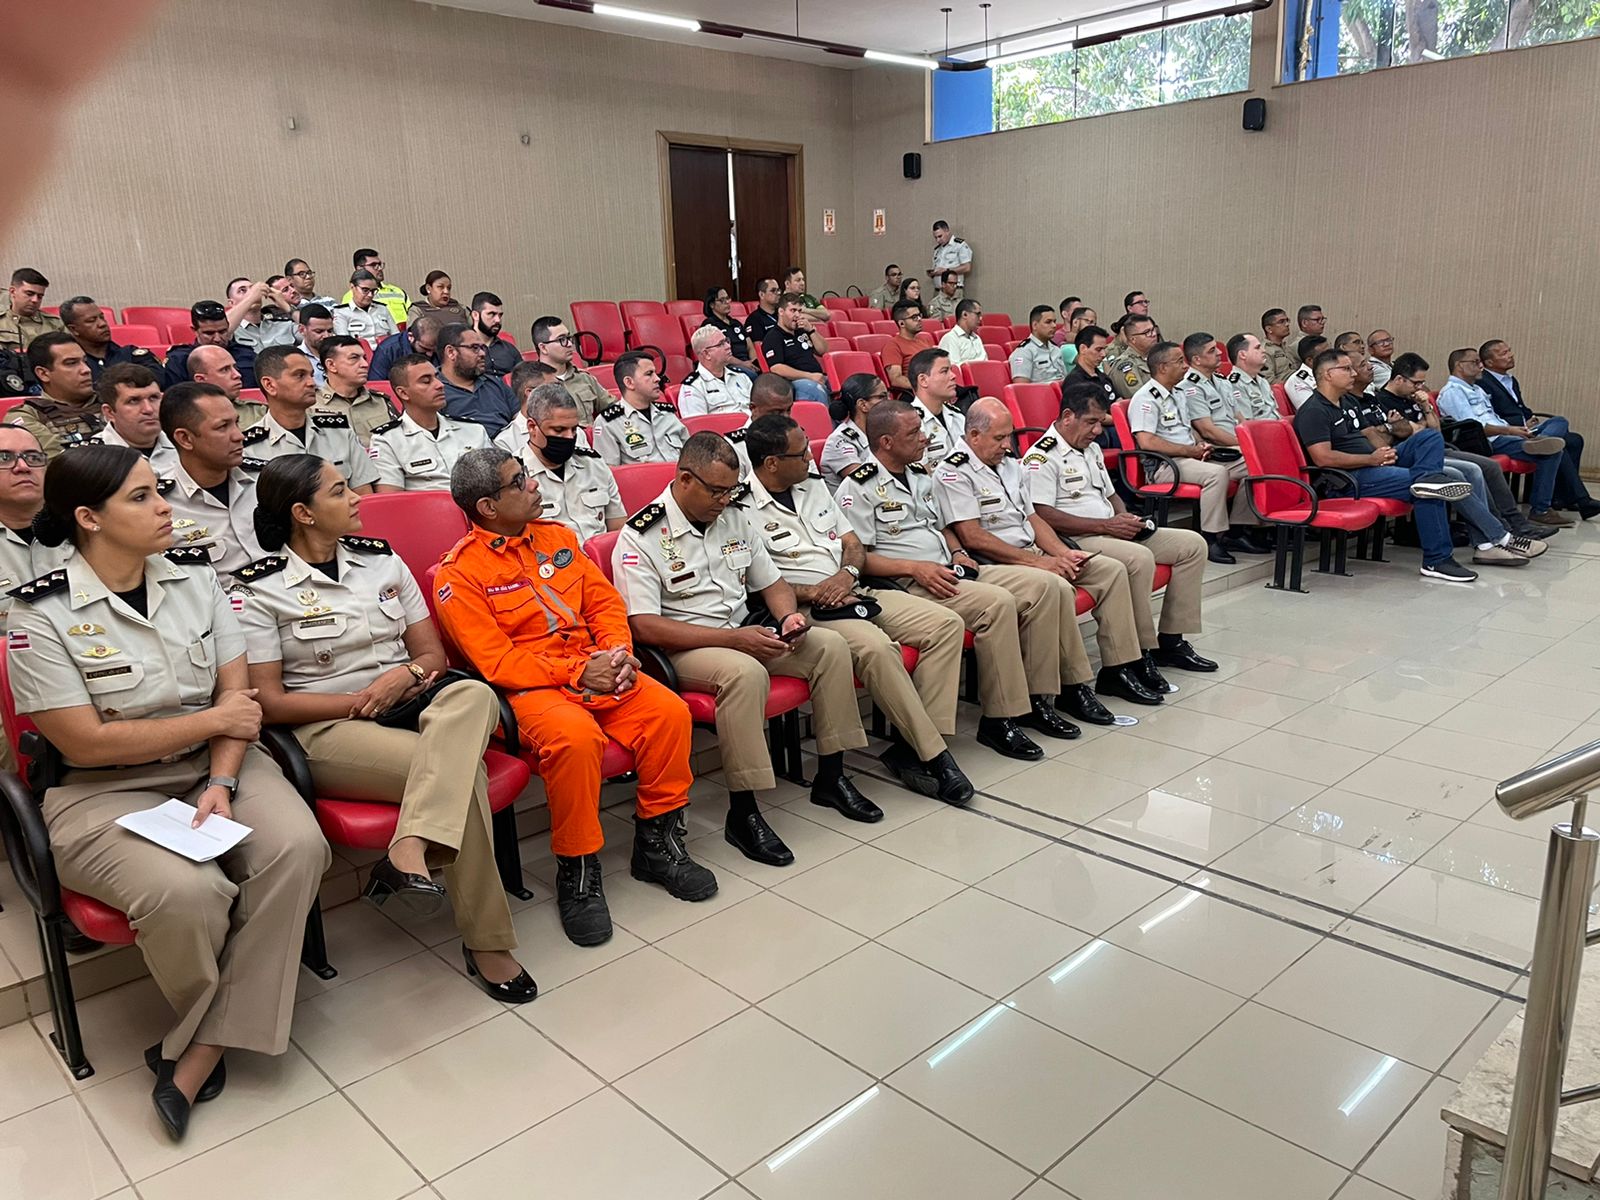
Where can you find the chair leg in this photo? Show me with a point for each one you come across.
(1297, 566)
(1280, 559)
(507, 859)
(795, 772)
(1341, 553)
(969, 669)
(314, 949)
(1380, 530)
(1324, 553)
(67, 1035)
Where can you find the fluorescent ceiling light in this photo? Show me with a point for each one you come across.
(1191, 8)
(904, 60)
(650, 18)
(1117, 22)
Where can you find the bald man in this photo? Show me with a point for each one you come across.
(214, 365)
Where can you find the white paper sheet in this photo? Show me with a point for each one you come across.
(168, 825)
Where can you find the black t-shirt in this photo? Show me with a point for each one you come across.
(1337, 424)
(790, 349)
(220, 491)
(737, 339)
(758, 323)
(1409, 408)
(138, 599)
(1079, 375)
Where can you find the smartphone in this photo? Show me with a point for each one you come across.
(794, 634)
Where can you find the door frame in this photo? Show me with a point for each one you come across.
(666, 139)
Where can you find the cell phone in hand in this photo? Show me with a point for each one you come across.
(794, 634)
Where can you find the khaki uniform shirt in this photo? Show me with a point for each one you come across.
(375, 322)
(162, 457)
(944, 432)
(1155, 410)
(899, 518)
(1256, 401)
(22, 560)
(1074, 481)
(845, 449)
(365, 412)
(226, 532)
(704, 393)
(71, 642)
(1212, 399)
(1127, 371)
(261, 334)
(330, 635)
(1301, 386)
(1281, 362)
(19, 331)
(1037, 362)
(666, 567)
(885, 297)
(623, 434)
(583, 497)
(412, 459)
(327, 435)
(942, 306)
(995, 497)
(962, 347)
(804, 543)
(589, 392)
(57, 426)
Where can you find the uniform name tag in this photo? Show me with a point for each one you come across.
(500, 589)
(315, 622)
(108, 672)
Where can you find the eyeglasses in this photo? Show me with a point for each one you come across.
(564, 340)
(308, 273)
(377, 262)
(1416, 383)
(799, 454)
(475, 347)
(33, 458)
(717, 493)
(365, 290)
(518, 482)
(1382, 342)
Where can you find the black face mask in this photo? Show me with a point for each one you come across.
(557, 450)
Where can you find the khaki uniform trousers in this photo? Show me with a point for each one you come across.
(1062, 640)
(1181, 549)
(1116, 621)
(990, 612)
(1213, 479)
(438, 779)
(922, 705)
(222, 939)
(740, 683)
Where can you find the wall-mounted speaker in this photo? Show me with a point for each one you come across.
(911, 166)
(1255, 114)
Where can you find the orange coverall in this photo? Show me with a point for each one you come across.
(528, 612)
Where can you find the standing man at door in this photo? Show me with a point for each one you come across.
(950, 253)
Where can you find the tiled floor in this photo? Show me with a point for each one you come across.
(1240, 951)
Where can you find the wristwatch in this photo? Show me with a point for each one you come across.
(224, 781)
(417, 672)
(855, 572)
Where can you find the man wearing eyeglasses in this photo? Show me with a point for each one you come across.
(391, 297)
(22, 558)
(688, 567)
(713, 387)
(299, 272)
(554, 343)
(640, 427)
(362, 316)
(471, 391)
(209, 321)
(1380, 344)
(764, 317)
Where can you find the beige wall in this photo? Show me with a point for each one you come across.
(1450, 202)
(179, 170)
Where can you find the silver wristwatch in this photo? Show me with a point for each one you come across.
(855, 572)
(224, 781)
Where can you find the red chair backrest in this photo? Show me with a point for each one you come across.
(1285, 406)
(725, 422)
(640, 483)
(10, 402)
(994, 335)
(15, 726)
(889, 327)
(1271, 448)
(420, 526)
(252, 396)
(741, 310)
(685, 308)
(689, 323)
(816, 450)
(137, 335)
(1021, 332)
(1126, 441)
(660, 330)
(997, 318)
(990, 378)
(382, 387)
(1011, 348)
(601, 318)
(934, 326)
(1036, 405)
(606, 376)
(842, 304)
(632, 310)
(1224, 366)
(813, 417)
(173, 321)
(599, 548)
(841, 364)
(850, 329)
(671, 392)
(995, 351)
(871, 343)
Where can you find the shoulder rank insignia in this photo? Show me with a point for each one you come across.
(863, 473)
(739, 494)
(647, 516)
(1130, 376)
(140, 351)
(959, 241)
(958, 459)
(1233, 376)
(37, 589)
(737, 435)
(1192, 377)
(585, 452)
(1047, 442)
(163, 486)
(330, 421)
(386, 426)
(611, 413)
(366, 544)
(666, 408)
(256, 433)
(262, 567)
(188, 556)
(917, 468)
(252, 464)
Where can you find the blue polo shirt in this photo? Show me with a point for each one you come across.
(490, 403)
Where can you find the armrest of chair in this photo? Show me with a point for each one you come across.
(1018, 431)
(27, 844)
(657, 356)
(1344, 477)
(654, 662)
(1311, 493)
(279, 741)
(578, 344)
(1161, 460)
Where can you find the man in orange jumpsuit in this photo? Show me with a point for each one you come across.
(542, 623)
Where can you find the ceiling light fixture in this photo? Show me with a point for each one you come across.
(903, 60)
(649, 18)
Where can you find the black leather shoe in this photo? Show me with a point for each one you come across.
(660, 856)
(1243, 543)
(1121, 681)
(954, 786)
(519, 989)
(417, 894)
(1147, 673)
(752, 837)
(1004, 736)
(1587, 509)
(913, 774)
(1079, 700)
(581, 900)
(1183, 657)
(1043, 718)
(209, 1090)
(172, 1106)
(74, 941)
(1218, 553)
(846, 798)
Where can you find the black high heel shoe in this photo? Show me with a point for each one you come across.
(519, 990)
(209, 1090)
(417, 894)
(172, 1106)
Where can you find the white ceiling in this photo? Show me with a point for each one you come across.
(902, 26)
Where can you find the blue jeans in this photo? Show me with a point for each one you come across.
(1570, 492)
(809, 389)
(1475, 510)
(1420, 454)
(1546, 468)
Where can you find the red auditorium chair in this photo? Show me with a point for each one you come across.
(871, 343)
(892, 328)
(606, 376)
(632, 310)
(813, 417)
(849, 330)
(990, 378)
(252, 396)
(784, 696)
(138, 335)
(994, 335)
(1034, 407)
(640, 483)
(685, 308)
(1133, 462)
(601, 319)
(996, 318)
(1285, 408)
(934, 326)
(420, 526)
(1224, 365)
(10, 402)
(658, 330)
(1279, 492)
(839, 365)
(741, 310)
(382, 387)
(1021, 333)
(672, 391)
(995, 351)
(839, 304)
(724, 422)
(690, 323)
(173, 322)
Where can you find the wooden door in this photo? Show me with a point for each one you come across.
(765, 201)
(701, 221)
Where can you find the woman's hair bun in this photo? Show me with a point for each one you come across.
(272, 529)
(49, 529)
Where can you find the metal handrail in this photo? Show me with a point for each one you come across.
(1569, 875)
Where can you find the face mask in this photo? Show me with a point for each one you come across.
(558, 450)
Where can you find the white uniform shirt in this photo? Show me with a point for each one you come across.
(226, 532)
(327, 435)
(995, 497)
(845, 449)
(944, 431)
(1155, 410)
(583, 497)
(704, 393)
(375, 322)
(163, 456)
(411, 458)
(1300, 386)
(897, 517)
(803, 542)
(1074, 481)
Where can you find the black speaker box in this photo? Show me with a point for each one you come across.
(911, 165)
(1255, 114)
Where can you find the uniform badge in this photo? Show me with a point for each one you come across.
(182, 523)
(17, 639)
(563, 557)
(771, 526)
(306, 596)
(101, 651)
(87, 629)
(546, 570)
(389, 593)
(629, 559)
(1130, 377)
(324, 657)
(443, 593)
(675, 565)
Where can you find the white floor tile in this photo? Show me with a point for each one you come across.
(1410, 1159)
(31, 1078)
(1492, 857)
(1243, 704)
(1364, 1189)
(1063, 788)
(1316, 762)
(960, 844)
(812, 841)
(1285, 680)
(984, 942)
(1349, 727)
(760, 946)
(1148, 765)
(1455, 794)
(1213, 940)
(1484, 1036)
(1329, 873)
(1187, 829)
(645, 909)
(869, 890)
(1458, 913)
(1079, 888)
(544, 950)
(1242, 788)
(1491, 718)
(1205, 732)
(1377, 827)
(1487, 757)
(54, 1152)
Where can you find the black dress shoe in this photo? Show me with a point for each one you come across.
(519, 989)
(1079, 700)
(172, 1106)
(1121, 681)
(913, 774)
(1044, 719)
(1004, 736)
(1218, 553)
(417, 894)
(752, 837)
(1243, 543)
(1147, 673)
(1183, 657)
(209, 1090)
(660, 856)
(581, 900)
(954, 786)
(843, 796)
(1587, 509)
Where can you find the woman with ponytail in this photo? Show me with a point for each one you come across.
(341, 648)
(847, 447)
(131, 663)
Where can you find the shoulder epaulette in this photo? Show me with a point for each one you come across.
(919, 468)
(252, 464)
(330, 421)
(663, 407)
(863, 473)
(256, 433)
(386, 426)
(262, 567)
(958, 459)
(138, 350)
(1233, 376)
(367, 545)
(611, 413)
(740, 493)
(647, 516)
(188, 556)
(959, 241)
(737, 435)
(454, 552)
(585, 452)
(163, 486)
(1047, 442)
(1192, 377)
(37, 589)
